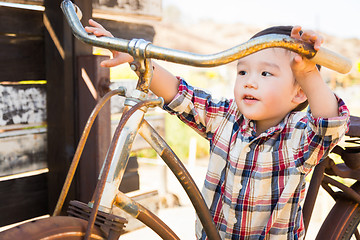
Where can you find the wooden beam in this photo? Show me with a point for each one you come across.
(61, 94)
(93, 81)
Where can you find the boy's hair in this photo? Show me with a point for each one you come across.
(285, 30)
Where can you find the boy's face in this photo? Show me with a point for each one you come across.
(265, 86)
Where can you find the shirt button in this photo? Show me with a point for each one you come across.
(247, 149)
(261, 148)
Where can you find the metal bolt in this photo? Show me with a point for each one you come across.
(133, 67)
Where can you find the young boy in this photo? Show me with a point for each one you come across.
(261, 146)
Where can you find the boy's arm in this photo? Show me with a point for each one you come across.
(322, 100)
(163, 83)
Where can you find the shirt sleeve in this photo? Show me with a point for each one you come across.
(196, 108)
(316, 137)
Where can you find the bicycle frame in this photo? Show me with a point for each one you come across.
(132, 122)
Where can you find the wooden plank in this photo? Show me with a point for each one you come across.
(21, 44)
(22, 104)
(127, 30)
(21, 58)
(25, 198)
(30, 2)
(144, 8)
(22, 152)
(16, 21)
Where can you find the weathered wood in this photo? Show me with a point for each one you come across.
(21, 45)
(61, 98)
(16, 21)
(31, 2)
(25, 198)
(23, 151)
(128, 30)
(93, 83)
(21, 58)
(22, 104)
(147, 8)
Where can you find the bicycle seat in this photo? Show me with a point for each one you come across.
(354, 129)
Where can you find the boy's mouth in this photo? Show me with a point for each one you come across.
(249, 98)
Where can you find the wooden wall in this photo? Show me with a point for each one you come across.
(23, 162)
(40, 102)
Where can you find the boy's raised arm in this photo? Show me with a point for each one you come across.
(163, 83)
(322, 100)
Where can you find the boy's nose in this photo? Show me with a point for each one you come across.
(251, 82)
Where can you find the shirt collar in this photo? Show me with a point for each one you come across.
(248, 127)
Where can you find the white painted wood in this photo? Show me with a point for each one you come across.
(23, 152)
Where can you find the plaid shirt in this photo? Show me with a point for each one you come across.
(255, 184)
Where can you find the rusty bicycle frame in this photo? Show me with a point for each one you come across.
(132, 122)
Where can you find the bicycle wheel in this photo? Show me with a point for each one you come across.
(343, 220)
(60, 227)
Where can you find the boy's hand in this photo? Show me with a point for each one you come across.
(307, 36)
(301, 66)
(118, 57)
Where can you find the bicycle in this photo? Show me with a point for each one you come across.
(95, 221)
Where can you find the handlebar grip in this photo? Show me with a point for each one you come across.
(332, 60)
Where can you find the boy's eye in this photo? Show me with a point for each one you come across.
(266, 74)
(242, 73)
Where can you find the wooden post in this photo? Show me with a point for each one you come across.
(93, 82)
(61, 50)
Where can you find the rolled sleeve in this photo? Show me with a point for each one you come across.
(198, 109)
(314, 138)
(335, 126)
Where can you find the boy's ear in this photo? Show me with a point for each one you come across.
(300, 97)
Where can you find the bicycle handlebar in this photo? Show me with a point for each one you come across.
(323, 57)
